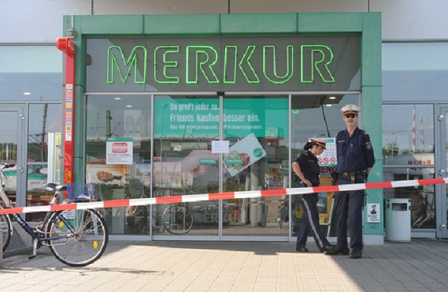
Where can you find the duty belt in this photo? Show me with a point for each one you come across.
(349, 175)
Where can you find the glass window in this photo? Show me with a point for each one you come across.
(44, 154)
(422, 198)
(415, 71)
(408, 137)
(118, 155)
(317, 116)
(30, 73)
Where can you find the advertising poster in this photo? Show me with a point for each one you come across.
(119, 151)
(107, 174)
(200, 117)
(243, 154)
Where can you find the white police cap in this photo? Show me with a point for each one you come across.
(350, 109)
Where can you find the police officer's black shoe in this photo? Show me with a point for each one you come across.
(301, 249)
(325, 248)
(336, 251)
(356, 254)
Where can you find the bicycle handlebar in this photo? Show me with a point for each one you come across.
(7, 165)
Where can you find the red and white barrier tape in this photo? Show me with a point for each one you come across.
(225, 196)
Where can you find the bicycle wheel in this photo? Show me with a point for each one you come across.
(77, 237)
(177, 219)
(6, 228)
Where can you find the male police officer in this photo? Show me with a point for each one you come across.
(355, 160)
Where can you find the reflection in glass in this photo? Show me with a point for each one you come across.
(44, 154)
(184, 164)
(9, 151)
(317, 117)
(408, 138)
(115, 127)
(423, 209)
(257, 130)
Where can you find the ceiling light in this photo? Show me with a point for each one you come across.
(27, 93)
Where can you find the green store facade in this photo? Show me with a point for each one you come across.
(166, 105)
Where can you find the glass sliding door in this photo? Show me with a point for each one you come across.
(184, 128)
(257, 130)
(11, 151)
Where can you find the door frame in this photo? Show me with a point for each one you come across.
(440, 170)
(441, 142)
(22, 132)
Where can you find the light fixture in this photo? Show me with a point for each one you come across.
(27, 93)
(332, 97)
(117, 98)
(128, 105)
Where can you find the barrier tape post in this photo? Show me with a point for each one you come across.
(224, 196)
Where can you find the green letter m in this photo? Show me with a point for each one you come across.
(117, 60)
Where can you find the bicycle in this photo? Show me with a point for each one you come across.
(75, 237)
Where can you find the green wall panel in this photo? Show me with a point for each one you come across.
(259, 23)
(107, 24)
(330, 22)
(371, 73)
(181, 24)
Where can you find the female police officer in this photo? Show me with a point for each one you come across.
(307, 169)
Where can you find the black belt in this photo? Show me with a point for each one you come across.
(349, 175)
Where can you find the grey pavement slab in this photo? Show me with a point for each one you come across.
(421, 265)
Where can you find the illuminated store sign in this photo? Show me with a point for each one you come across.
(204, 61)
(223, 64)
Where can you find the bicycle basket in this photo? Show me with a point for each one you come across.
(80, 191)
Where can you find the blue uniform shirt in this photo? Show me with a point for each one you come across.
(355, 152)
(309, 165)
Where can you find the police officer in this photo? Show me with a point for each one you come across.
(307, 169)
(355, 160)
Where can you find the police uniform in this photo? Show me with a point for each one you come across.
(310, 220)
(354, 156)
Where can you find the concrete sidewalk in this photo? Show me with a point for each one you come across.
(421, 265)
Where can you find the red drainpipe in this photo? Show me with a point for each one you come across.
(68, 47)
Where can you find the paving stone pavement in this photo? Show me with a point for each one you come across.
(421, 265)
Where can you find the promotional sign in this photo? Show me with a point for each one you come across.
(199, 117)
(119, 151)
(243, 154)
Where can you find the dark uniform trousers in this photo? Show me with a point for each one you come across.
(349, 206)
(310, 221)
